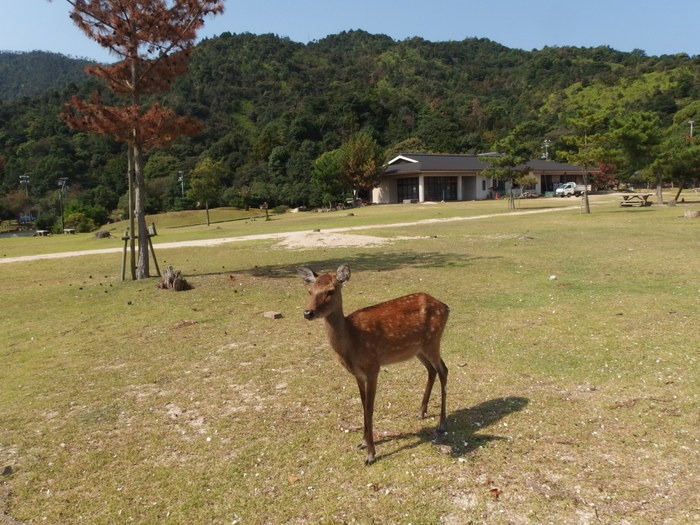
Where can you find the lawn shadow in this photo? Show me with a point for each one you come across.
(463, 428)
(464, 425)
(369, 261)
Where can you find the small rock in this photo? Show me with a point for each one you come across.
(273, 315)
(552, 277)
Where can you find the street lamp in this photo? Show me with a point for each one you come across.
(181, 180)
(62, 182)
(692, 123)
(24, 179)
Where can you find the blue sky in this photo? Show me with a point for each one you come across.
(657, 27)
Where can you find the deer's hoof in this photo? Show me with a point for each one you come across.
(369, 461)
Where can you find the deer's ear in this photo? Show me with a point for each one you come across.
(343, 274)
(308, 275)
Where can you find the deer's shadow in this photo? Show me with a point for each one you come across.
(465, 428)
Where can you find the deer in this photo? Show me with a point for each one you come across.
(383, 334)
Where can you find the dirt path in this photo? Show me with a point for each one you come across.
(294, 240)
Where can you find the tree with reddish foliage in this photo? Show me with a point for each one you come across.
(605, 177)
(153, 40)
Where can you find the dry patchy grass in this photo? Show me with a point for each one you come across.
(570, 400)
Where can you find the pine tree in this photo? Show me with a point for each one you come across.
(152, 40)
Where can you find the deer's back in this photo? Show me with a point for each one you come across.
(398, 328)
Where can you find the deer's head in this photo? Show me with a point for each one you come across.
(324, 292)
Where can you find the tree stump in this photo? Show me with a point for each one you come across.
(173, 280)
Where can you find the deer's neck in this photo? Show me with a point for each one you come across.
(337, 332)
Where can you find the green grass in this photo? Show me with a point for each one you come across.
(570, 400)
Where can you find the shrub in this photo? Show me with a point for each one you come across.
(81, 222)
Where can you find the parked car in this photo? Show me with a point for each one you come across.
(571, 188)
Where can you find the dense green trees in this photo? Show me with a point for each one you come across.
(328, 182)
(48, 71)
(277, 113)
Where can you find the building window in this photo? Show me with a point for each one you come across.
(483, 185)
(407, 189)
(440, 188)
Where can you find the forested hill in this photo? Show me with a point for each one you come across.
(455, 96)
(272, 106)
(31, 74)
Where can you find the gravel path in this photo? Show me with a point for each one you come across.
(296, 240)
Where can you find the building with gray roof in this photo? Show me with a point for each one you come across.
(420, 177)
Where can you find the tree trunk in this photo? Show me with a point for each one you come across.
(586, 203)
(680, 189)
(142, 267)
(206, 205)
(132, 223)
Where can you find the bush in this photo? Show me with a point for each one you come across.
(94, 212)
(81, 222)
(45, 221)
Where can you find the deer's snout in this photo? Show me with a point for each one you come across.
(308, 314)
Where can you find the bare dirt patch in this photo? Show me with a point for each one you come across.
(320, 239)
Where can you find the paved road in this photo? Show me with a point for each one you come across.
(274, 236)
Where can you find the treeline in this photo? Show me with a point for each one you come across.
(32, 74)
(272, 107)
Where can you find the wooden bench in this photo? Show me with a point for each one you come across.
(637, 199)
(43, 233)
(69, 231)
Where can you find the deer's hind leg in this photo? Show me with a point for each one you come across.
(432, 372)
(442, 373)
(438, 368)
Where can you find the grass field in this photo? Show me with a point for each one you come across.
(573, 392)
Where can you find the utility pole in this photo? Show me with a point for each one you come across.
(692, 123)
(546, 145)
(62, 182)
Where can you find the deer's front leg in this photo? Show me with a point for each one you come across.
(370, 391)
(362, 386)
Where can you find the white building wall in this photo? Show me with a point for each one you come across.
(469, 188)
(482, 187)
(385, 193)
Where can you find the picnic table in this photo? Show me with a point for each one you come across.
(70, 231)
(636, 199)
(43, 233)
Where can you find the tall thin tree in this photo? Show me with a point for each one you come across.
(153, 40)
(205, 182)
(510, 163)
